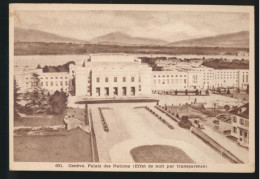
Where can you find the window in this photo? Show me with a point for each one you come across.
(66, 83)
(133, 91)
(115, 79)
(234, 130)
(97, 79)
(106, 79)
(106, 91)
(51, 83)
(159, 81)
(132, 79)
(241, 132)
(124, 91)
(154, 81)
(51, 78)
(242, 121)
(56, 83)
(124, 79)
(61, 83)
(168, 81)
(98, 91)
(115, 91)
(245, 134)
(61, 77)
(234, 119)
(184, 81)
(46, 83)
(56, 77)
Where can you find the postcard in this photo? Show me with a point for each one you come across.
(154, 88)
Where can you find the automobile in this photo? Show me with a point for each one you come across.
(216, 121)
(200, 126)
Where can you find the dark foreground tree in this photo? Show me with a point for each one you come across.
(36, 98)
(58, 102)
(16, 100)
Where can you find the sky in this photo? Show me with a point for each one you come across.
(170, 26)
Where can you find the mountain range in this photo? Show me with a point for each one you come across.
(236, 40)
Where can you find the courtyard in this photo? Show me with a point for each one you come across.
(131, 126)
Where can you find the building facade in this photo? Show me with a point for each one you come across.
(240, 124)
(118, 76)
(50, 81)
(123, 75)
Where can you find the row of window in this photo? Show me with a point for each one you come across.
(51, 83)
(50, 78)
(240, 132)
(168, 76)
(172, 81)
(115, 79)
(115, 91)
(241, 121)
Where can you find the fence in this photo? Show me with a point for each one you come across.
(168, 114)
(224, 152)
(94, 151)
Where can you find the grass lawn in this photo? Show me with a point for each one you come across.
(48, 120)
(160, 154)
(185, 111)
(240, 96)
(73, 147)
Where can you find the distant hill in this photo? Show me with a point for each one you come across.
(29, 35)
(232, 40)
(118, 38)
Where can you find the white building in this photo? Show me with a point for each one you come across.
(123, 75)
(50, 81)
(240, 124)
(111, 76)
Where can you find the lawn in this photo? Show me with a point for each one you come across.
(160, 154)
(240, 96)
(69, 146)
(48, 120)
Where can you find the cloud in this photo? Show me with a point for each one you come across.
(164, 25)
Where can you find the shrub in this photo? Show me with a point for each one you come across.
(185, 123)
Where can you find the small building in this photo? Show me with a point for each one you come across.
(240, 124)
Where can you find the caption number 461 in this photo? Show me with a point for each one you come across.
(58, 165)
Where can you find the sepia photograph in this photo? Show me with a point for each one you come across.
(165, 88)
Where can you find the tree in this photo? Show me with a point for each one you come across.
(227, 107)
(58, 102)
(186, 92)
(228, 91)
(35, 97)
(38, 66)
(16, 99)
